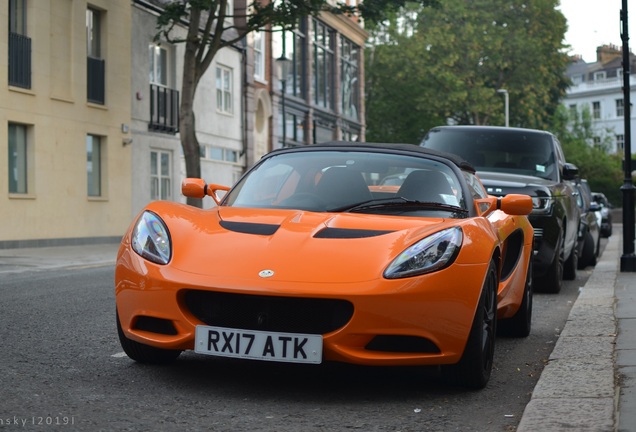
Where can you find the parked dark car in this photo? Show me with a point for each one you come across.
(590, 226)
(525, 161)
(606, 213)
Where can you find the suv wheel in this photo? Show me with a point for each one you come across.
(554, 277)
(569, 269)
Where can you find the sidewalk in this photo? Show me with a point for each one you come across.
(42, 258)
(589, 383)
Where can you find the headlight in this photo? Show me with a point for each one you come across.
(541, 204)
(151, 239)
(427, 255)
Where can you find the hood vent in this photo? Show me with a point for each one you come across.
(346, 233)
(250, 228)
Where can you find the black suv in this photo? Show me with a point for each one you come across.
(531, 162)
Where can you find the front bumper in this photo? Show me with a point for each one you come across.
(422, 320)
(547, 231)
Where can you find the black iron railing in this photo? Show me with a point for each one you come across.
(164, 109)
(96, 80)
(19, 60)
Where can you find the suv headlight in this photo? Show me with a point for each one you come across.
(151, 239)
(428, 255)
(542, 205)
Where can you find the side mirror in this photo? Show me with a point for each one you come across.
(197, 188)
(512, 204)
(516, 204)
(570, 171)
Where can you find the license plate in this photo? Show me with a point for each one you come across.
(258, 345)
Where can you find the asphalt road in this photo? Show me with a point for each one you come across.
(61, 368)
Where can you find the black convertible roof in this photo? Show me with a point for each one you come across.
(397, 148)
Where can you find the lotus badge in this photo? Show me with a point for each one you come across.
(266, 273)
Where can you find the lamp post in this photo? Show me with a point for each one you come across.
(628, 259)
(505, 93)
(283, 65)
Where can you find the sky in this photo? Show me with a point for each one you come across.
(592, 23)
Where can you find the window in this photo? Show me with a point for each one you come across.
(323, 132)
(259, 55)
(295, 127)
(293, 44)
(93, 33)
(349, 78)
(158, 57)
(597, 141)
(596, 110)
(17, 17)
(164, 101)
(95, 64)
(221, 154)
(573, 111)
(18, 159)
(94, 165)
(224, 89)
(160, 178)
(323, 65)
(620, 108)
(228, 9)
(598, 76)
(620, 143)
(19, 46)
(350, 132)
(577, 79)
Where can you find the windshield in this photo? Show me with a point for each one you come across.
(356, 181)
(516, 152)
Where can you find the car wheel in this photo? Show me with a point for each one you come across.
(144, 353)
(588, 256)
(475, 366)
(521, 323)
(554, 277)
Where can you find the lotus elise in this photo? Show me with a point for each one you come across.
(370, 254)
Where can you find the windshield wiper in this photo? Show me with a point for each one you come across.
(399, 202)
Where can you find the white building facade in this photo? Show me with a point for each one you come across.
(598, 87)
(157, 158)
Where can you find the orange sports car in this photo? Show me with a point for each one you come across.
(312, 257)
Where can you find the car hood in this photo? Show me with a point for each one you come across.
(503, 184)
(294, 245)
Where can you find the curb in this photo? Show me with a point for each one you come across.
(577, 389)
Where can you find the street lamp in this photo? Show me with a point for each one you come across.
(283, 65)
(505, 93)
(628, 259)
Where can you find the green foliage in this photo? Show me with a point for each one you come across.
(602, 170)
(210, 27)
(447, 63)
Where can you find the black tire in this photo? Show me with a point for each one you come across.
(475, 366)
(520, 324)
(144, 353)
(571, 264)
(553, 280)
(588, 256)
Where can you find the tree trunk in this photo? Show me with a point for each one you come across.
(187, 126)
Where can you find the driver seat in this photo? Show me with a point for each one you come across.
(340, 186)
(425, 186)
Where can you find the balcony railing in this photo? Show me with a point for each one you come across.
(96, 80)
(19, 60)
(164, 109)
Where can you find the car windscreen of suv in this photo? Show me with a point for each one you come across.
(499, 151)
